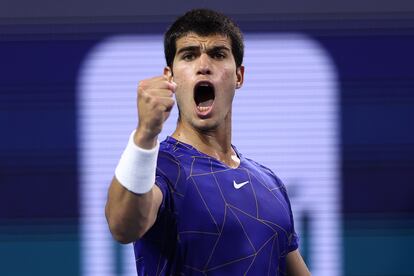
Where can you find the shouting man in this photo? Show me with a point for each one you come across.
(193, 204)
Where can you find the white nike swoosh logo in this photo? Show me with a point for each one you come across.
(239, 185)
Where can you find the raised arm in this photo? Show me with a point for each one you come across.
(133, 202)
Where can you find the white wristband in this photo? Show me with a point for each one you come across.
(136, 168)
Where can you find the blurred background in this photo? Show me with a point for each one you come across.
(328, 104)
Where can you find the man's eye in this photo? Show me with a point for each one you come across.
(188, 57)
(219, 55)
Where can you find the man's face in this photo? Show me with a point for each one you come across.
(206, 75)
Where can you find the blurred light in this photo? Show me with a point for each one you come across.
(285, 117)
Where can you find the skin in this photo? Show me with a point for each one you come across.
(206, 59)
(198, 58)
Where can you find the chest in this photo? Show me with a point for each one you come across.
(246, 203)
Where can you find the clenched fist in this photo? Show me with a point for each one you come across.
(155, 101)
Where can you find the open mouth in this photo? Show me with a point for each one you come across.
(204, 96)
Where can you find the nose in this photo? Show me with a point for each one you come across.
(204, 66)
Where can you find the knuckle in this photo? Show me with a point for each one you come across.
(144, 95)
(141, 92)
(142, 84)
(148, 98)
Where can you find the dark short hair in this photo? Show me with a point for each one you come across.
(203, 22)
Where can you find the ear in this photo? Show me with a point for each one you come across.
(168, 73)
(240, 76)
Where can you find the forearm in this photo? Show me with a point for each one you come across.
(133, 199)
(130, 215)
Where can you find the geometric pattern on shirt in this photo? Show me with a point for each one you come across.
(227, 220)
(248, 220)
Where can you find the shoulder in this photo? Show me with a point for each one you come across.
(173, 149)
(176, 152)
(266, 171)
(170, 165)
(262, 168)
(168, 152)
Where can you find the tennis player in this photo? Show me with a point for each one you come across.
(193, 204)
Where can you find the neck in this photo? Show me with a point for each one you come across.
(215, 142)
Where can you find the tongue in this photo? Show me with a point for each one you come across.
(206, 103)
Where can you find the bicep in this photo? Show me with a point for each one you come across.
(296, 265)
(130, 215)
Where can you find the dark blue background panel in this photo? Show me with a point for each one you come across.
(376, 75)
(38, 169)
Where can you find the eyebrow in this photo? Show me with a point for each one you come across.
(197, 48)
